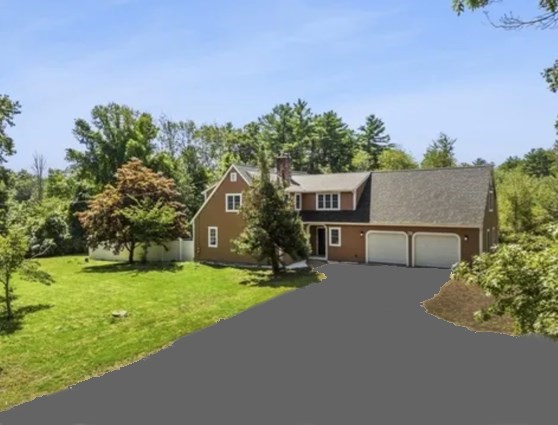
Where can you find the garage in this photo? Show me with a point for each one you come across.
(387, 247)
(440, 250)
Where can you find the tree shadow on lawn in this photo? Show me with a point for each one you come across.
(8, 327)
(287, 279)
(135, 267)
(263, 277)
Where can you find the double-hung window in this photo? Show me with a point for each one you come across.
(491, 200)
(335, 236)
(298, 201)
(233, 202)
(212, 237)
(327, 201)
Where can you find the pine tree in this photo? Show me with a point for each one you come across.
(272, 225)
(373, 139)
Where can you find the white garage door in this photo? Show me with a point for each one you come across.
(436, 250)
(386, 247)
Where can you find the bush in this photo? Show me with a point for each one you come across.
(524, 283)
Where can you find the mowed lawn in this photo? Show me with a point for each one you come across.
(65, 333)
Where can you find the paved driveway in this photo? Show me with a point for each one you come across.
(357, 349)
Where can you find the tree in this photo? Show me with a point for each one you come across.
(22, 185)
(331, 149)
(13, 247)
(116, 134)
(440, 153)
(372, 139)
(8, 110)
(272, 226)
(539, 162)
(517, 201)
(141, 209)
(511, 163)
(396, 159)
(38, 168)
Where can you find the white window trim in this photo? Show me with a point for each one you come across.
(330, 238)
(209, 229)
(488, 239)
(491, 200)
(227, 201)
(298, 197)
(328, 193)
(233, 176)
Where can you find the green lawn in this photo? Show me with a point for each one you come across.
(65, 333)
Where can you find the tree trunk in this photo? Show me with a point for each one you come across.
(131, 250)
(9, 313)
(274, 263)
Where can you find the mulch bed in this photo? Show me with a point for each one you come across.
(456, 303)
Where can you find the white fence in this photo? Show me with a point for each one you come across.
(178, 250)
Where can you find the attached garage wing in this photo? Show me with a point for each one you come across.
(387, 247)
(436, 249)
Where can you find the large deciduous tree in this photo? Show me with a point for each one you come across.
(116, 134)
(142, 208)
(440, 153)
(272, 226)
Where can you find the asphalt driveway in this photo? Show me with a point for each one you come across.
(355, 349)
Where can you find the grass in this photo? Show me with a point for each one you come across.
(456, 303)
(65, 333)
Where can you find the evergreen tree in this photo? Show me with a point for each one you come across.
(440, 153)
(372, 139)
(272, 225)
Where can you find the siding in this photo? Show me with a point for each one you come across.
(229, 225)
(309, 201)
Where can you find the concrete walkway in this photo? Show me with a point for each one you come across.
(355, 349)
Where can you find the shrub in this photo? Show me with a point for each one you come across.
(524, 284)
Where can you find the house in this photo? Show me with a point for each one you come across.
(423, 217)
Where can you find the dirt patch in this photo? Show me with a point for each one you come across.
(457, 302)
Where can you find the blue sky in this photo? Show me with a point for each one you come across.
(415, 64)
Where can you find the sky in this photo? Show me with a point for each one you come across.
(415, 64)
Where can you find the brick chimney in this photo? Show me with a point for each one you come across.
(283, 167)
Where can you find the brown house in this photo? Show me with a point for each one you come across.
(424, 217)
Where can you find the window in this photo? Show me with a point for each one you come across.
(488, 242)
(234, 201)
(298, 201)
(335, 236)
(212, 237)
(327, 201)
(233, 176)
(491, 200)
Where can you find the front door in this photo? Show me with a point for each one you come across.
(321, 241)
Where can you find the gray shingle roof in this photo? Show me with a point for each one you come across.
(249, 172)
(443, 196)
(335, 182)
